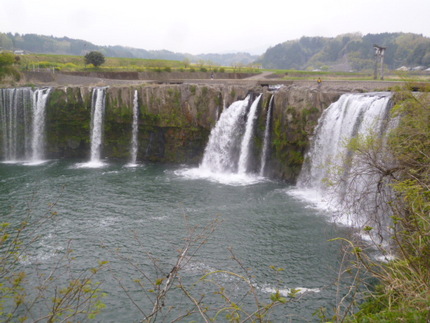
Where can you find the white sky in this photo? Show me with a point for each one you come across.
(191, 26)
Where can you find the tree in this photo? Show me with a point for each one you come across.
(95, 58)
(7, 62)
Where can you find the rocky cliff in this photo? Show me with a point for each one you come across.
(175, 122)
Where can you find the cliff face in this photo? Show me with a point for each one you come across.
(175, 122)
(295, 115)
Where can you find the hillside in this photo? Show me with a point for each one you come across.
(345, 52)
(67, 46)
(349, 52)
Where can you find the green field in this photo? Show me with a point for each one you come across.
(71, 63)
(77, 63)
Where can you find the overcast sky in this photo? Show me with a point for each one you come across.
(199, 26)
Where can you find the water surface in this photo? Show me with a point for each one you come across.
(116, 213)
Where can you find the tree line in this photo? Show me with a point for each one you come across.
(42, 44)
(349, 52)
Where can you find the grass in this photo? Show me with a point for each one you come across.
(350, 76)
(76, 63)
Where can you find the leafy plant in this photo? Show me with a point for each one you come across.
(7, 66)
(50, 300)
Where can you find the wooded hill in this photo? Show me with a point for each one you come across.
(342, 53)
(349, 52)
(67, 46)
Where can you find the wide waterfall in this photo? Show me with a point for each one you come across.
(134, 131)
(22, 114)
(326, 173)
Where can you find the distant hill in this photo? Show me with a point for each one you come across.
(342, 53)
(67, 46)
(349, 52)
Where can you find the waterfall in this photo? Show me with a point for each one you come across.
(351, 116)
(222, 149)
(247, 137)
(40, 97)
(22, 115)
(227, 155)
(135, 130)
(266, 141)
(16, 123)
(97, 113)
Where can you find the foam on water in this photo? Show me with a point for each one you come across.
(35, 163)
(131, 165)
(91, 164)
(287, 291)
(233, 179)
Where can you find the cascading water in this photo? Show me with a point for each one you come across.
(351, 116)
(22, 114)
(222, 149)
(40, 97)
(97, 114)
(228, 151)
(246, 141)
(135, 130)
(266, 141)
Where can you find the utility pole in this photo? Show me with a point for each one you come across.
(379, 57)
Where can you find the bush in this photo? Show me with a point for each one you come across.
(7, 61)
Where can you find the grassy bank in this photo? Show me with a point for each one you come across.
(77, 63)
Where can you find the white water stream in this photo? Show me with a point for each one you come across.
(135, 131)
(247, 137)
(40, 97)
(266, 142)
